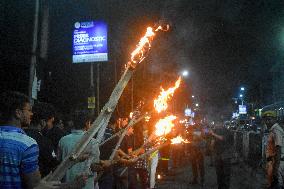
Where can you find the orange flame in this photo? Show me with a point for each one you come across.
(144, 44)
(178, 140)
(165, 125)
(161, 103)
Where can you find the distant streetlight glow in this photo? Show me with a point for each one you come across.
(185, 73)
(242, 88)
(196, 105)
(192, 96)
(241, 96)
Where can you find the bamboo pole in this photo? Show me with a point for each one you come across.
(119, 133)
(144, 155)
(101, 120)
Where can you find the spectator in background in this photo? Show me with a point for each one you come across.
(274, 151)
(222, 143)
(197, 154)
(68, 124)
(51, 131)
(47, 158)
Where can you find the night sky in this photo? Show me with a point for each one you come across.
(223, 44)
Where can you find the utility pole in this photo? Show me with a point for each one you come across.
(34, 49)
(92, 88)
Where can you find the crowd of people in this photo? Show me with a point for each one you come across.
(34, 141)
(220, 142)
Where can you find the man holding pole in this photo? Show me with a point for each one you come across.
(82, 123)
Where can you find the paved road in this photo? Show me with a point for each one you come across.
(242, 177)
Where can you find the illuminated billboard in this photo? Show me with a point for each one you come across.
(242, 109)
(90, 42)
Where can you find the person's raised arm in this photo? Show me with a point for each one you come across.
(216, 136)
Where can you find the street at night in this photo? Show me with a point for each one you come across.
(142, 94)
(242, 178)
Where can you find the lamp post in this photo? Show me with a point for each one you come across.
(241, 97)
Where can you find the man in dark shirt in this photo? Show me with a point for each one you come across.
(197, 155)
(47, 158)
(223, 151)
(127, 146)
(54, 133)
(106, 180)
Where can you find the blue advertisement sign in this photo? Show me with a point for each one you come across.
(187, 112)
(90, 42)
(242, 109)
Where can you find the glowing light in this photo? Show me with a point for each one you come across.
(185, 73)
(131, 115)
(161, 103)
(183, 121)
(165, 125)
(147, 117)
(178, 140)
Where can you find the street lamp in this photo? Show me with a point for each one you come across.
(192, 96)
(184, 73)
(242, 88)
(196, 105)
(241, 95)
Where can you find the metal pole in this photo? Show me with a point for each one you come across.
(34, 48)
(98, 88)
(92, 84)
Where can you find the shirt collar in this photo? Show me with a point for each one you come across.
(12, 129)
(75, 131)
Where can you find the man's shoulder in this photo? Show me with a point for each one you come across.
(29, 141)
(276, 128)
(66, 137)
(21, 138)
